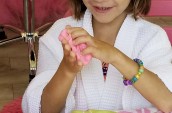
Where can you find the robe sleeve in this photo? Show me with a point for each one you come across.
(156, 55)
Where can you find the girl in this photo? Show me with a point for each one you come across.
(114, 35)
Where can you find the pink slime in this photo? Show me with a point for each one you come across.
(85, 59)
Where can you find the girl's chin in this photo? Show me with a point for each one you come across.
(103, 20)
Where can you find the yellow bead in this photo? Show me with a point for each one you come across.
(137, 76)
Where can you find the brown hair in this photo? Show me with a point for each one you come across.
(137, 7)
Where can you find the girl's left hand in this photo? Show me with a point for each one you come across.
(97, 48)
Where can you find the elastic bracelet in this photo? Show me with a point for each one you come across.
(137, 76)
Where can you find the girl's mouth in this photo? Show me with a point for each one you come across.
(102, 9)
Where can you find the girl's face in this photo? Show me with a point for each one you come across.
(105, 11)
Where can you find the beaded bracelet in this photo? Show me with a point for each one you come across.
(137, 76)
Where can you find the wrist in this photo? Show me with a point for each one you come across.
(66, 71)
(125, 65)
(115, 57)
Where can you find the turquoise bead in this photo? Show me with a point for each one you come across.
(134, 79)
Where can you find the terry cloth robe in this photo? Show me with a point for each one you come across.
(137, 39)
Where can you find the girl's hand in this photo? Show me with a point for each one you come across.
(69, 60)
(97, 48)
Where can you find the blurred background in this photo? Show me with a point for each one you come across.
(15, 65)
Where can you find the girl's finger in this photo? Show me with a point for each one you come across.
(83, 39)
(71, 29)
(88, 50)
(72, 57)
(76, 34)
(66, 49)
(68, 26)
(79, 63)
(64, 41)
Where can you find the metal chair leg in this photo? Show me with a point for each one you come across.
(30, 35)
(30, 39)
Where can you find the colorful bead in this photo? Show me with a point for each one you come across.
(134, 79)
(137, 76)
(141, 71)
(127, 82)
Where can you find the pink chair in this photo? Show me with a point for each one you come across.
(28, 18)
(162, 8)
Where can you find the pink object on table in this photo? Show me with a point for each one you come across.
(85, 59)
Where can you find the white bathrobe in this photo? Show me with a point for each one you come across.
(137, 39)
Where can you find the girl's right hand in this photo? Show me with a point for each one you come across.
(69, 61)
